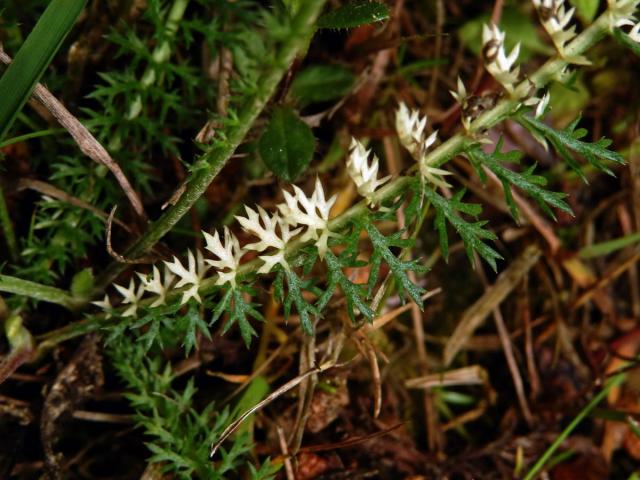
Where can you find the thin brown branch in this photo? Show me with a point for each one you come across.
(54, 192)
(267, 400)
(116, 255)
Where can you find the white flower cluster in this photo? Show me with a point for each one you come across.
(310, 212)
(621, 13)
(498, 63)
(410, 127)
(461, 98)
(363, 174)
(542, 104)
(274, 232)
(555, 20)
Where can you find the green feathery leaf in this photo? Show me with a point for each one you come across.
(472, 234)
(295, 286)
(567, 140)
(382, 251)
(526, 180)
(190, 323)
(354, 293)
(238, 311)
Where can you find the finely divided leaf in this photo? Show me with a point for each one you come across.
(526, 180)
(238, 311)
(354, 293)
(569, 139)
(294, 295)
(472, 234)
(190, 324)
(399, 268)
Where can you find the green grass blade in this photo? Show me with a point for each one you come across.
(34, 56)
(546, 456)
(610, 246)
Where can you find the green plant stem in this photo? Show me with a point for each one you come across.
(214, 159)
(7, 227)
(37, 291)
(612, 382)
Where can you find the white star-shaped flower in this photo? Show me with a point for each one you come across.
(279, 256)
(365, 176)
(634, 34)
(155, 285)
(311, 212)
(542, 105)
(461, 94)
(272, 231)
(497, 62)
(433, 175)
(410, 127)
(229, 254)
(621, 12)
(104, 304)
(461, 98)
(192, 275)
(130, 296)
(555, 20)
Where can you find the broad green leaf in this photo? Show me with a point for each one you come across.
(321, 83)
(586, 9)
(82, 283)
(354, 14)
(287, 144)
(568, 140)
(517, 26)
(526, 180)
(22, 75)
